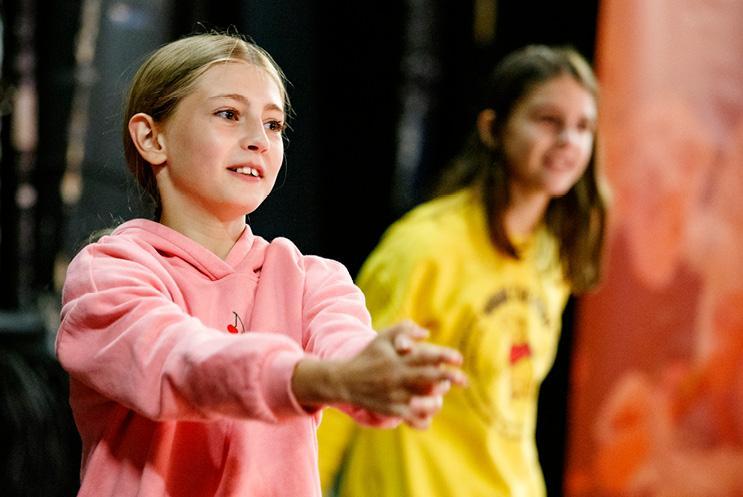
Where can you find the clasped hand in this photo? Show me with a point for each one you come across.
(397, 374)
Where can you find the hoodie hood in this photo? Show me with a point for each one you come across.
(246, 255)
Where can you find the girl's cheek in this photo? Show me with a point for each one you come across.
(589, 144)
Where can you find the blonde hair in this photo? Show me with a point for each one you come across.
(170, 74)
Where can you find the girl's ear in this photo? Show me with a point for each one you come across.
(485, 127)
(146, 138)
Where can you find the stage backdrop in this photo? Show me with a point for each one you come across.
(657, 385)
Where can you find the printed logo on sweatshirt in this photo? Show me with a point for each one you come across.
(506, 343)
(232, 328)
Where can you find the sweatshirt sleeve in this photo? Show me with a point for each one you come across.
(336, 321)
(123, 336)
(337, 324)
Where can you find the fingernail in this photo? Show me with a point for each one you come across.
(443, 386)
(460, 378)
(464, 381)
(420, 331)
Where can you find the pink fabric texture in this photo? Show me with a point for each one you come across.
(181, 362)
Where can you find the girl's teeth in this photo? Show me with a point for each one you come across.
(247, 170)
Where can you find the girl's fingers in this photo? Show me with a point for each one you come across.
(400, 367)
(457, 377)
(408, 329)
(441, 388)
(419, 423)
(427, 353)
(401, 411)
(397, 405)
(403, 344)
(422, 410)
(429, 405)
(423, 380)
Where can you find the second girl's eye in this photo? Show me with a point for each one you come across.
(550, 119)
(274, 125)
(587, 125)
(230, 114)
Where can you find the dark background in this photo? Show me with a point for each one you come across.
(382, 94)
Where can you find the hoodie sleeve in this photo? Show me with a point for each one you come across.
(123, 336)
(337, 323)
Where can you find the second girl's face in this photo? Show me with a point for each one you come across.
(224, 144)
(548, 138)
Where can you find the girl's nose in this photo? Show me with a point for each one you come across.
(568, 136)
(255, 138)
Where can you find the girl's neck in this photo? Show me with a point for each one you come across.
(217, 236)
(525, 212)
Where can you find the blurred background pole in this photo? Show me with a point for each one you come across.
(99, 192)
(57, 25)
(9, 267)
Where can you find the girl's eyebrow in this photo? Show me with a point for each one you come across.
(551, 106)
(545, 104)
(244, 100)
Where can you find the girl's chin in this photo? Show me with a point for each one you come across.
(559, 188)
(236, 213)
(248, 206)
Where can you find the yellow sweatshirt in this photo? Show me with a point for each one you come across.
(438, 267)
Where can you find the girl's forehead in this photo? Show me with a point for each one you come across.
(559, 89)
(232, 66)
(236, 74)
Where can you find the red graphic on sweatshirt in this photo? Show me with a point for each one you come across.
(232, 328)
(519, 351)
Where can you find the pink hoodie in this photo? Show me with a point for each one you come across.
(169, 400)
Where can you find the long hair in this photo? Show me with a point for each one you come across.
(170, 74)
(578, 218)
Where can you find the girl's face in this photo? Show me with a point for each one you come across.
(548, 138)
(223, 144)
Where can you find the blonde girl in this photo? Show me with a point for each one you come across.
(200, 354)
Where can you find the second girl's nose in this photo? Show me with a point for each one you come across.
(568, 136)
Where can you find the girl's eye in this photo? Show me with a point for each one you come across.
(550, 119)
(587, 126)
(230, 114)
(276, 126)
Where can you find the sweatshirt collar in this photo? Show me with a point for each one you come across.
(173, 243)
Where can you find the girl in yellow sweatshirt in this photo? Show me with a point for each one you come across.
(487, 267)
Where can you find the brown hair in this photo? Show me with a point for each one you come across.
(169, 74)
(577, 218)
